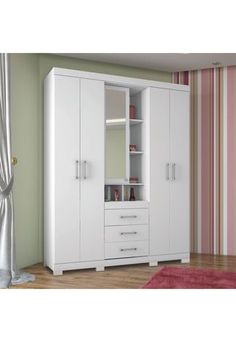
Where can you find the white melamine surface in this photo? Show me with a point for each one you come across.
(126, 204)
(159, 184)
(126, 233)
(118, 217)
(67, 151)
(179, 155)
(81, 231)
(92, 188)
(126, 249)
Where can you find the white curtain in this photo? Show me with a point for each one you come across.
(8, 272)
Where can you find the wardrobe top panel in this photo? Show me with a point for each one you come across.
(118, 80)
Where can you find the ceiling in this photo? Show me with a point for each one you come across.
(161, 61)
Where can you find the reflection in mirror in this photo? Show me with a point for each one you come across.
(115, 107)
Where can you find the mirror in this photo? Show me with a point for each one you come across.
(116, 121)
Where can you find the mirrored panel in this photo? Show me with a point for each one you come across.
(116, 133)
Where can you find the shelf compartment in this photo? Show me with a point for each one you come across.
(134, 122)
(135, 153)
(110, 193)
(138, 192)
(139, 184)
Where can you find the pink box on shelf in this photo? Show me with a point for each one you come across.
(133, 179)
(132, 112)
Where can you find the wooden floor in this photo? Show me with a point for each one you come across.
(119, 277)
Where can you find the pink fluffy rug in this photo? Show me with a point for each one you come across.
(191, 278)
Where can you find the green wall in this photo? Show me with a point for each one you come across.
(27, 75)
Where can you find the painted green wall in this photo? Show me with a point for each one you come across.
(25, 145)
(27, 74)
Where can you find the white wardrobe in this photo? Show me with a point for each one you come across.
(89, 219)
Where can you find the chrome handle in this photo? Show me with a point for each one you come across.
(128, 233)
(167, 171)
(128, 216)
(77, 176)
(84, 169)
(128, 249)
(173, 172)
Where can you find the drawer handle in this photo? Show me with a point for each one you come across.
(128, 249)
(128, 216)
(128, 233)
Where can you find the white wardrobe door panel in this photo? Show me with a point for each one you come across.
(92, 152)
(159, 184)
(180, 156)
(67, 141)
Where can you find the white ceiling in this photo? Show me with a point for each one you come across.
(161, 61)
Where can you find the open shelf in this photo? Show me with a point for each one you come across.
(135, 122)
(115, 125)
(133, 153)
(131, 184)
(124, 192)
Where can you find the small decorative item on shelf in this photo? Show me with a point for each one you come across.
(133, 179)
(132, 197)
(133, 147)
(132, 112)
(116, 195)
(126, 195)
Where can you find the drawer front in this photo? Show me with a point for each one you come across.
(126, 233)
(126, 249)
(120, 217)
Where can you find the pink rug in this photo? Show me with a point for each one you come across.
(191, 278)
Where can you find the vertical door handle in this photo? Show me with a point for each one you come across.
(167, 171)
(173, 172)
(77, 173)
(84, 169)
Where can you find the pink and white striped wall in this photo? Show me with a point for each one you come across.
(213, 159)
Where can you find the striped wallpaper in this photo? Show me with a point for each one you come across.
(213, 159)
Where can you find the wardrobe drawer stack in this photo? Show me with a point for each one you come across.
(126, 232)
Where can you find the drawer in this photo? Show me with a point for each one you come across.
(120, 217)
(126, 233)
(126, 249)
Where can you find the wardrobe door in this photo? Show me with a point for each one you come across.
(92, 159)
(159, 171)
(180, 172)
(66, 187)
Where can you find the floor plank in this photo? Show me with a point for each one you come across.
(119, 277)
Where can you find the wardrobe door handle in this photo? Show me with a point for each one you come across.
(173, 172)
(128, 249)
(77, 174)
(84, 169)
(128, 216)
(167, 171)
(128, 233)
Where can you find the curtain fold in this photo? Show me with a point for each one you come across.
(8, 272)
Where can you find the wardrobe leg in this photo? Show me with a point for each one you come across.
(153, 263)
(185, 261)
(100, 268)
(57, 272)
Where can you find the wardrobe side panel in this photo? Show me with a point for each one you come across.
(49, 200)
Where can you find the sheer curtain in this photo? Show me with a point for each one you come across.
(8, 272)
